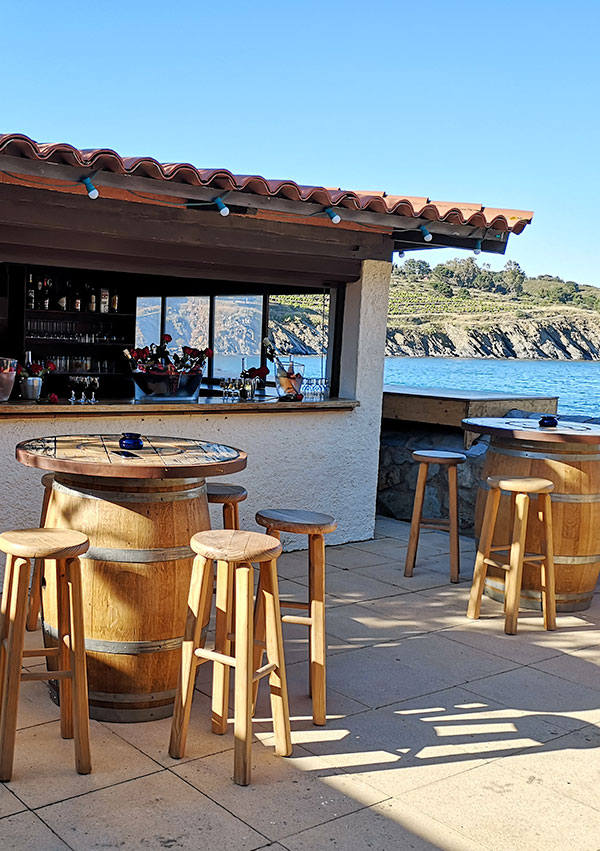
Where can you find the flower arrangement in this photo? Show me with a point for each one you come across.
(156, 358)
(35, 370)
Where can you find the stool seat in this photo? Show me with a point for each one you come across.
(521, 484)
(44, 543)
(235, 547)
(219, 493)
(293, 520)
(435, 456)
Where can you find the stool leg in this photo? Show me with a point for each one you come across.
(259, 636)
(35, 593)
(275, 654)
(17, 615)
(547, 566)
(511, 526)
(244, 633)
(415, 523)
(220, 690)
(453, 505)
(200, 591)
(485, 544)
(259, 627)
(231, 515)
(515, 572)
(65, 686)
(4, 617)
(81, 712)
(316, 567)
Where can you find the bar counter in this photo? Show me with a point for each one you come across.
(207, 405)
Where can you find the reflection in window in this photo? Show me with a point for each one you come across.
(237, 333)
(147, 321)
(299, 325)
(186, 320)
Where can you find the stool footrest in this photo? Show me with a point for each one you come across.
(435, 521)
(36, 676)
(213, 656)
(264, 671)
(42, 651)
(305, 621)
(493, 563)
(291, 605)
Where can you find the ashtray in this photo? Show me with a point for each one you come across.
(131, 440)
(548, 421)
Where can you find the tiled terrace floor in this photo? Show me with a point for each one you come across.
(443, 734)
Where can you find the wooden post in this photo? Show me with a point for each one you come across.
(244, 634)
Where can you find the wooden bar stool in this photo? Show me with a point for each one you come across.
(35, 593)
(520, 489)
(451, 460)
(234, 553)
(229, 496)
(315, 526)
(62, 548)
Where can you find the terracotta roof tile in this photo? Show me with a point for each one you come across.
(474, 214)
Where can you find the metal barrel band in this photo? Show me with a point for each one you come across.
(137, 496)
(147, 556)
(544, 456)
(125, 648)
(111, 697)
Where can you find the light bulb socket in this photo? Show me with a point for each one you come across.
(90, 188)
(427, 237)
(335, 217)
(221, 206)
(477, 249)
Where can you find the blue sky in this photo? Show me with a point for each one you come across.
(463, 101)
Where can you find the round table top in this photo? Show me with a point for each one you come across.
(524, 429)
(101, 455)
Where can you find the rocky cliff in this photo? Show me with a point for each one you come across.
(573, 335)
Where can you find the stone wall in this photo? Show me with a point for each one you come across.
(398, 472)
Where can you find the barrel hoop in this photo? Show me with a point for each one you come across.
(124, 496)
(125, 648)
(111, 697)
(559, 497)
(589, 559)
(545, 456)
(139, 556)
(532, 594)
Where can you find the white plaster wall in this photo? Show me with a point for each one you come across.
(323, 461)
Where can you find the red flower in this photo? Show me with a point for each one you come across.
(194, 353)
(19, 369)
(208, 353)
(166, 338)
(51, 367)
(144, 353)
(186, 350)
(53, 398)
(134, 353)
(36, 368)
(258, 372)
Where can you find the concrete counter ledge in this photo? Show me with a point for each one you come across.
(206, 405)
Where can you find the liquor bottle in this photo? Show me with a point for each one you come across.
(68, 296)
(91, 299)
(62, 300)
(30, 294)
(28, 362)
(39, 295)
(76, 304)
(114, 302)
(47, 293)
(104, 300)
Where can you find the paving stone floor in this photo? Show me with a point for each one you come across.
(443, 734)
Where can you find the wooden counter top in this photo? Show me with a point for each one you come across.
(206, 405)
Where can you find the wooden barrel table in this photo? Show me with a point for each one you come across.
(569, 455)
(139, 511)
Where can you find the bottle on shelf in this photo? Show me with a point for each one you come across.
(114, 302)
(104, 300)
(28, 362)
(39, 295)
(76, 303)
(62, 302)
(91, 298)
(47, 293)
(30, 294)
